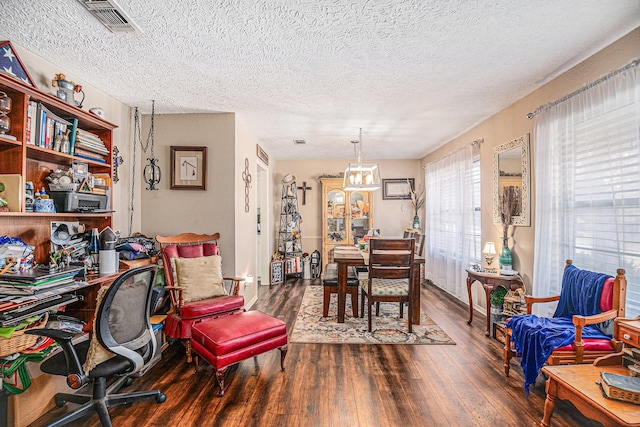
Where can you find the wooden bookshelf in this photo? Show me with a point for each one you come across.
(34, 163)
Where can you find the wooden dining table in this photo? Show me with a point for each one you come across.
(346, 256)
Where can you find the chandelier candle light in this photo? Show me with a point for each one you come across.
(361, 176)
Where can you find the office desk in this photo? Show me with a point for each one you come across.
(25, 408)
(62, 296)
(346, 256)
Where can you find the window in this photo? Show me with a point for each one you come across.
(477, 219)
(588, 185)
(450, 220)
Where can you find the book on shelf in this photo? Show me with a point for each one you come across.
(89, 144)
(620, 387)
(99, 190)
(80, 149)
(44, 126)
(72, 134)
(90, 147)
(31, 110)
(90, 137)
(92, 158)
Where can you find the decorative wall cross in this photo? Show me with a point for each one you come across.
(246, 177)
(304, 189)
(117, 161)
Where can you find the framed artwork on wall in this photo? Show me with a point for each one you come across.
(188, 168)
(397, 189)
(262, 155)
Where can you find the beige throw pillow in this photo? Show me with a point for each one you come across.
(200, 277)
(97, 353)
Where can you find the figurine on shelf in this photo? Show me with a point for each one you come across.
(67, 90)
(43, 203)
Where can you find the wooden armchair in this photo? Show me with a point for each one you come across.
(196, 286)
(585, 345)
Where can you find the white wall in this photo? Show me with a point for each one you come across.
(219, 208)
(169, 212)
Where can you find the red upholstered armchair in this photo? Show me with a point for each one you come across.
(611, 304)
(195, 283)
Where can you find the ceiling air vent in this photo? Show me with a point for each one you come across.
(299, 141)
(111, 15)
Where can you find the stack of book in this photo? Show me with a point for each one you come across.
(89, 146)
(36, 280)
(102, 184)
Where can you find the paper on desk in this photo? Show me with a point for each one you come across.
(17, 299)
(15, 251)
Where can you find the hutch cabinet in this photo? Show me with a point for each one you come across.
(346, 215)
(22, 162)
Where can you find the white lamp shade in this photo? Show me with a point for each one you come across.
(362, 177)
(489, 248)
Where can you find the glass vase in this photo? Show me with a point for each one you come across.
(416, 222)
(505, 254)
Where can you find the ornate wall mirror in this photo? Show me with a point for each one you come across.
(511, 169)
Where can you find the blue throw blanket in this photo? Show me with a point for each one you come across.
(536, 338)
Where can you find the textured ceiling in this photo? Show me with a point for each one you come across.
(413, 74)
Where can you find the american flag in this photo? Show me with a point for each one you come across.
(10, 64)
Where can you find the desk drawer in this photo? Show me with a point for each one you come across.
(628, 334)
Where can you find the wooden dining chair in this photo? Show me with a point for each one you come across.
(389, 275)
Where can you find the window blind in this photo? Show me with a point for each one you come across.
(587, 152)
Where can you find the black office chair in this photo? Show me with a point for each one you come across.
(121, 327)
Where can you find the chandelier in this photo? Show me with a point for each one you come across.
(361, 176)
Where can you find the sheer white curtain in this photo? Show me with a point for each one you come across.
(587, 169)
(450, 221)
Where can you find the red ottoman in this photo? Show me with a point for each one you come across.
(230, 339)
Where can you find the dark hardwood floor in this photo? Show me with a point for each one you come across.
(348, 385)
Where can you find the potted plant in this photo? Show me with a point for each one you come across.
(497, 303)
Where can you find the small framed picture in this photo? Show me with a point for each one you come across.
(397, 189)
(80, 170)
(277, 272)
(188, 168)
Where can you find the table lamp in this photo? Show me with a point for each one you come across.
(489, 252)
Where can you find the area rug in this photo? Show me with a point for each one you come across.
(388, 328)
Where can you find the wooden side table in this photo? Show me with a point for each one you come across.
(489, 282)
(577, 384)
